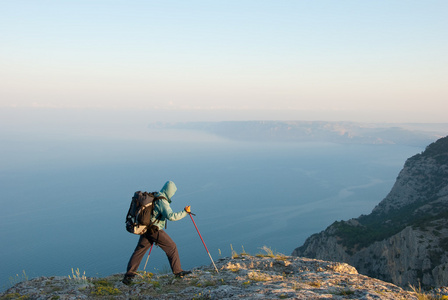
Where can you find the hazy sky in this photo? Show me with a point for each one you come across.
(327, 60)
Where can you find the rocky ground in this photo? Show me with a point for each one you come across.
(240, 277)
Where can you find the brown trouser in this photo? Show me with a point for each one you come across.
(163, 240)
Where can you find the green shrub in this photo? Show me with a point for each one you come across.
(105, 291)
(102, 287)
(15, 296)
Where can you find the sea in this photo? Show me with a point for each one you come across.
(65, 192)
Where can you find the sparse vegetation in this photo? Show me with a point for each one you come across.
(14, 296)
(202, 296)
(315, 284)
(13, 280)
(145, 276)
(344, 292)
(377, 227)
(164, 270)
(281, 257)
(421, 295)
(105, 290)
(234, 269)
(233, 252)
(268, 251)
(258, 276)
(77, 278)
(208, 283)
(103, 287)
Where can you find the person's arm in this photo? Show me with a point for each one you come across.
(169, 214)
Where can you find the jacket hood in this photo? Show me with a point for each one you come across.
(168, 190)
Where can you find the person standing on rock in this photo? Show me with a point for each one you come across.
(156, 234)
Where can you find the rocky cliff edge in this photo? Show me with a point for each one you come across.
(240, 277)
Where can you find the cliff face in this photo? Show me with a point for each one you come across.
(405, 238)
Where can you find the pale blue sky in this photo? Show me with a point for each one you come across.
(357, 60)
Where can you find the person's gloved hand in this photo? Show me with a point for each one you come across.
(188, 209)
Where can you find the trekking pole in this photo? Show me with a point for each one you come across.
(203, 242)
(148, 257)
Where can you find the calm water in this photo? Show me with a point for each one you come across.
(64, 196)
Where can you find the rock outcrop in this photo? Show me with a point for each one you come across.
(405, 238)
(240, 277)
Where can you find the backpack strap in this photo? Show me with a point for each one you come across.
(158, 198)
(160, 215)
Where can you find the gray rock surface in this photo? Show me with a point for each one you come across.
(241, 277)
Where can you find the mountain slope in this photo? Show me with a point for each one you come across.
(405, 238)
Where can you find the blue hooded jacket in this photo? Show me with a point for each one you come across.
(162, 208)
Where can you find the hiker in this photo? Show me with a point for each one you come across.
(156, 234)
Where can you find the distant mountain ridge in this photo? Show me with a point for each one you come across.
(317, 131)
(405, 238)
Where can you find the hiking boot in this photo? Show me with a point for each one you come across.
(127, 279)
(182, 274)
